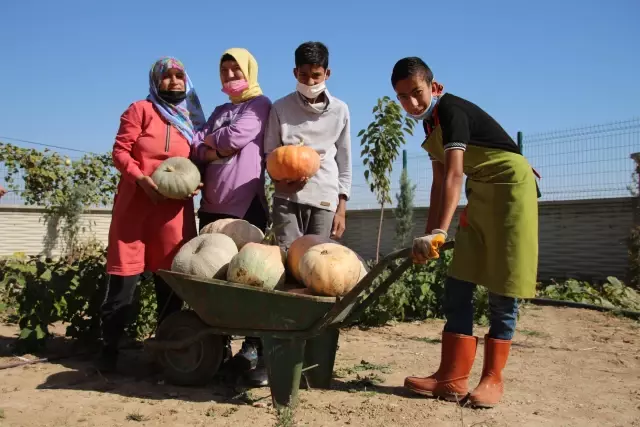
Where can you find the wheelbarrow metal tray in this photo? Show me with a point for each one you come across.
(223, 304)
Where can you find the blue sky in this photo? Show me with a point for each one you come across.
(70, 68)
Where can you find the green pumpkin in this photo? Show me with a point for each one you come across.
(258, 265)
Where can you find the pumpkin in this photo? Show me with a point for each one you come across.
(258, 265)
(176, 178)
(364, 270)
(302, 244)
(330, 269)
(207, 256)
(300, 291)
(292, 162)
(241, 231)
(299, 247)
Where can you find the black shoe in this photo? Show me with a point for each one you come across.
(227, 353)
(246, 359)
(258, 377)
(107, 361)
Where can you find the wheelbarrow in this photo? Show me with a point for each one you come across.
(299, 332)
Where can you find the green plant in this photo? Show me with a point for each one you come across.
(137, 416)
(417, 295)
(62, 186)
(47, 291)
(381, 141)
(611, 293)
(269, 189)
(404, 210)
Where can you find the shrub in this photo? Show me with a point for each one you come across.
(418, 296)
(70, 290)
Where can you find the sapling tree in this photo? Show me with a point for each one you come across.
(404, 209)
(381, 142)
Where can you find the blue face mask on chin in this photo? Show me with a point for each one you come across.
(426, 114)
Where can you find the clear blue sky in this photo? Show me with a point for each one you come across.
(70, 68)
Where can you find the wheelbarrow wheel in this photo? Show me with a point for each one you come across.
(195, 364)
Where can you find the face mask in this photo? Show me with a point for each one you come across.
(427, 113)
(311, 92)
(172, 96)
(235, 87)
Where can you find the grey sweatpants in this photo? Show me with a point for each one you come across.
(303, 219)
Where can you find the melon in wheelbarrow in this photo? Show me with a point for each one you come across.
(258, 265)
(207, 256)
(241, 231)
(330, 269)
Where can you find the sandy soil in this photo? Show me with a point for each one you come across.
(567, 368)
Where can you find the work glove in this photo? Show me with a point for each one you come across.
(427, 247)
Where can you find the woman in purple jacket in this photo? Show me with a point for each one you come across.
(229, 148)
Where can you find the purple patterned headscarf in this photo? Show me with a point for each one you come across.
(187, 116)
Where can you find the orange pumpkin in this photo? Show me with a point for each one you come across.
(292, 163)
(299, 247)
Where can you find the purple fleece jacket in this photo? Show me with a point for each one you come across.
(230, 184)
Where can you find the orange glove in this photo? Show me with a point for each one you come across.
(427, 247)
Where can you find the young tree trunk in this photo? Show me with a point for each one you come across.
(379, 233)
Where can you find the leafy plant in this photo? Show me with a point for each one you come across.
(417, 295)
(62, 186)
(47, 291)
(611, 293)
(269, 191)
(404, 210)
(381, 141)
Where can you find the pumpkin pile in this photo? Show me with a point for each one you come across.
(236, 251)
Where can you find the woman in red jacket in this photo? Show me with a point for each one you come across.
(146, 229)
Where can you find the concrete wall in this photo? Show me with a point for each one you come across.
(577, 238)
(583, 238)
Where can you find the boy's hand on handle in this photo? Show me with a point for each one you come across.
(427, 247)
(151, 189)
(290, 187)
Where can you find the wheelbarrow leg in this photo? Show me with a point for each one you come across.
(319, 358)
(284, 359)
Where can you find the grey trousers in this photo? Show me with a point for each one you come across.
(303, 219)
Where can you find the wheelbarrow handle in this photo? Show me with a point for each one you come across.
(343, 311)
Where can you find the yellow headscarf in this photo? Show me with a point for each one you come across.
(249, 67)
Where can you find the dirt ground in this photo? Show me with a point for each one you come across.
(568, 368)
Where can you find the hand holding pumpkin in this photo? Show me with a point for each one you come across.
(290, 187)
(151, 189)
(196, 191)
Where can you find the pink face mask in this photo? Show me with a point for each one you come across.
(235, 87)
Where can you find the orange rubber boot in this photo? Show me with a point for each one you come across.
(491, 386)
(451, 381)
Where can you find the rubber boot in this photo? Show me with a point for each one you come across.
(491, 386)
(451, 381)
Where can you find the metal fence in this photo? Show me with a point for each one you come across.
(575, 164)
(582, 163)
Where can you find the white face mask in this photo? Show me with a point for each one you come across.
(311, 92)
